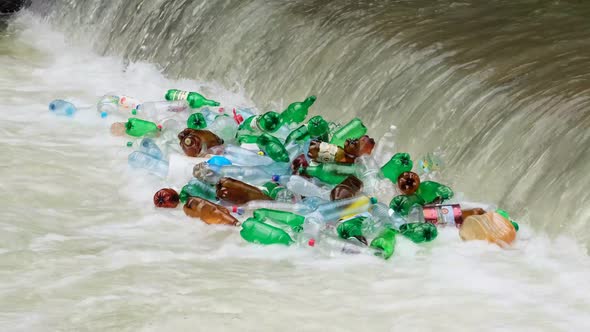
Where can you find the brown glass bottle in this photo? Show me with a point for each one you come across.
(208, 212)
(166, 198)
(195, 142)
(238, 192)
(350, 187)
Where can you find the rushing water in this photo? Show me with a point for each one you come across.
(501, 88)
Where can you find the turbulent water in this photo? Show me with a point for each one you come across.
(501, 88)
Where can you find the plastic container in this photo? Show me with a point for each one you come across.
(491, 227)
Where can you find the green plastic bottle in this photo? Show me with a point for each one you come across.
(294, 221)
(318, 127)
(194, 99)
(138, 127)
(431, 191)
(331, 173)
(399, 163)
(403, 204)
(297, 111)
(354, 129)
(505, 214)
(272, 147)
(255, 231)
(352, 228)
(197, 188)
(385, 242)
(248, 139)
(268, 122)
(196, 121)
(301, 133)
(419, 231)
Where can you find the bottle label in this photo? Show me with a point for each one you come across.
(254, 124)
(180, 95)
(327, 152)
(443, 215)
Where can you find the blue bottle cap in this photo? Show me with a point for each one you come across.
(275, 178)
(103, 114)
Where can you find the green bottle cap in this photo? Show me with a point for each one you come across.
(129, 144)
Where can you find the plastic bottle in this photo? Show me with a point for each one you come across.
(323, 152)
(386, 145)
(399, 163)
(352, 227)
(297, 135)
(225, 127)
(384, 216)
(166, 198)
(208, 212)
(238, 192)
(197, 188)
(341, 209)
(266, 204)
(137, 127)
(293, 220)
(297, 112)
(490, 226)
(408, 183)
(330, 173)
(272, 147)
(353, 129)
(350, 187)
(180, 168)
(195, 142)
(147, 145)
(302, 186)
(368, 171)
(153, 165)
(196, 121)
(158, 110)
(318, 127)
(268, 122)
(62, 107)
(256, 231)
(385, 242)
(242, 157)
(251, 174)
(216, 162)
(194, 99)
(402, 204)
(419, 231)
(108, 104)
(431, 192)
(332, 245)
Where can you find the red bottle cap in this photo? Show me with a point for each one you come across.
(311, 242)
(238, 117)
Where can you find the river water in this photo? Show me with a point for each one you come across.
(82, 248)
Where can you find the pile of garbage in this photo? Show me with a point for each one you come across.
(286, 181)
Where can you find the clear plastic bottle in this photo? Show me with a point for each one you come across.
(244, 157)
(331, 245)
(368, 171)
(302, 186)
(224, 127)
(62, 107)
(384, 216)
(158, 110)
(147, 145)
(342, 208)
(273, 205)
(153, 165)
